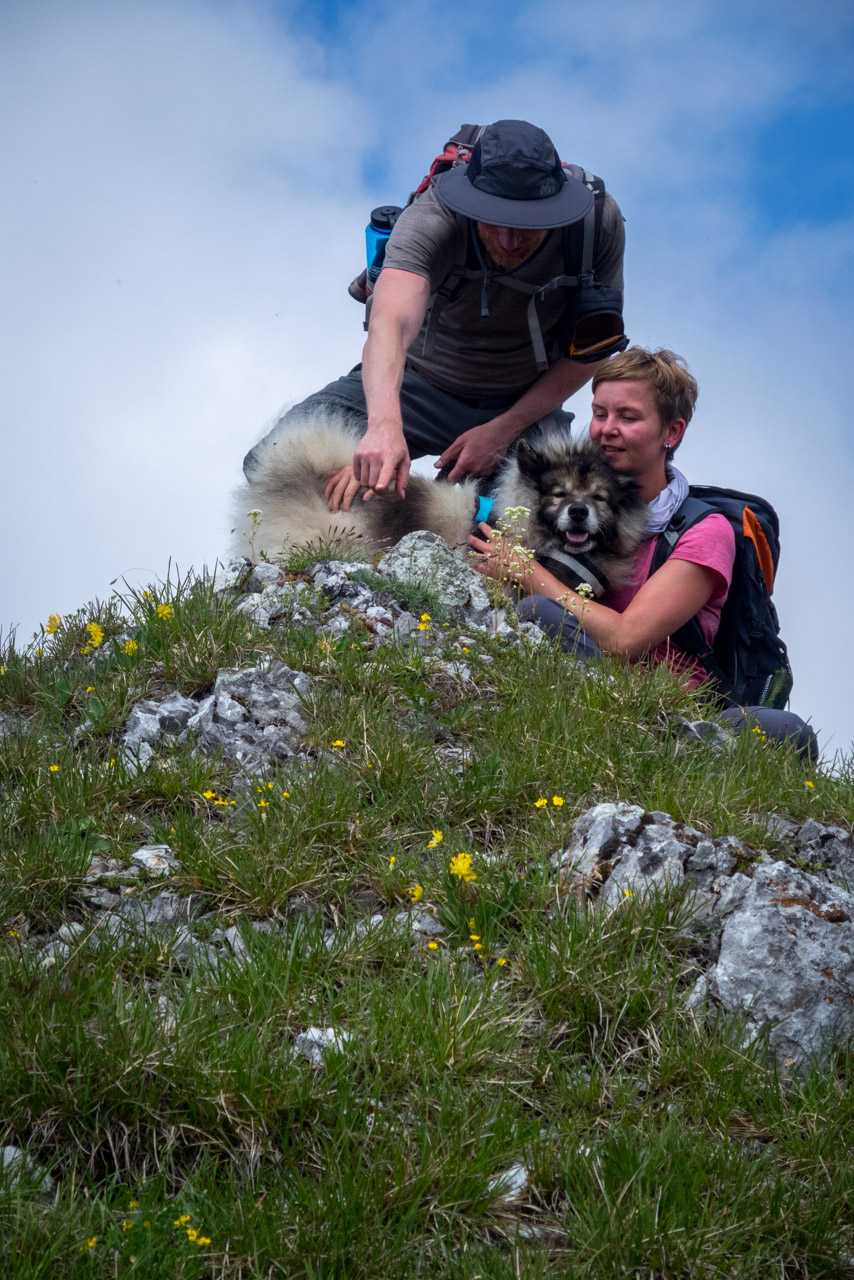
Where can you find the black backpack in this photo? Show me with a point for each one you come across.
(748, 662)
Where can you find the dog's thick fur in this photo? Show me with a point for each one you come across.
(288, 491)
(578, 504)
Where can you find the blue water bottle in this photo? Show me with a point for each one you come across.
(377, 233)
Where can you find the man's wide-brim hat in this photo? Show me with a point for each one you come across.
(514, 178)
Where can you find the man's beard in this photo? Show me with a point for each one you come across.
(504, 257)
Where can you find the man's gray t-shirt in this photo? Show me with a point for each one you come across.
(477, 355)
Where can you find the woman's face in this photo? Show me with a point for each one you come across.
(628, 427)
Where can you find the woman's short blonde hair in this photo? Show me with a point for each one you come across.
(673, 385)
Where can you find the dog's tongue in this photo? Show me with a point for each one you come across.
(576, 537)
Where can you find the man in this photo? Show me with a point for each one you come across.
(462, 355)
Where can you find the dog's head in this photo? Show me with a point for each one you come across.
(583, 506)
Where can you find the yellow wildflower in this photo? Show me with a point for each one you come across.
(208, 795)
(338, 744)
(203, 1240)
(475, 937)
(558, 801)
(192, 1233)
(436, 839)
(286, 795)
(13, 933)
(126, 1224)
(263, 804)
(425, 617)
(182, 1221)
(91, 1242)
(54, 622)
(130, 647)
(164, 611)
(460, 866)
(54, 768)
(90, 688)
(392, 860)
(96, 634)
(501, 960)
(416, 893)
(478, 946)
(538, 804)
(133, 1204)
(433, 946)
(809, 784)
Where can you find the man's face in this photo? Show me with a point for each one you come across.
(508, 246)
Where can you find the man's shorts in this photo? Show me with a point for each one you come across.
(432, 418)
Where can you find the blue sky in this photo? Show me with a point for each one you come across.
(187, 185)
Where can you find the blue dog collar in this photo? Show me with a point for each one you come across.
(484, 508)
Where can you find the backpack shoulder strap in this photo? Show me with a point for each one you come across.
(582, 237)
(690, 512)
(689, 636)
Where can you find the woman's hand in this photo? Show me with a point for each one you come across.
(500, 557)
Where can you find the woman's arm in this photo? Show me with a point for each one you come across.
(667, 600)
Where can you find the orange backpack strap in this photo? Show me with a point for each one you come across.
(753, 530)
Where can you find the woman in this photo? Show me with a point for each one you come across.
(642, 404)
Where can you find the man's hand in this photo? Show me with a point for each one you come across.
(476, 452)
(341, 488)
(382, 457)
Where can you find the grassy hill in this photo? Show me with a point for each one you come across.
(519, 1094)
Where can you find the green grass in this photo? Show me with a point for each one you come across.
(188, 1139)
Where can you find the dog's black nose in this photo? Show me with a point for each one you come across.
(578, 512)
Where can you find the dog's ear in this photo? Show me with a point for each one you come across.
(528, 457)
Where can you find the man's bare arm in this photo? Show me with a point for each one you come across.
(478, 452)
(398, 309)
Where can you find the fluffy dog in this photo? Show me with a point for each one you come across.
(584, 523)
(288, 491)
(585, 520)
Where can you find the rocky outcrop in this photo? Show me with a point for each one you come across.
(777, 942)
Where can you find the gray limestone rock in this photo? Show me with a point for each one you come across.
(232, 577)
(654, 862)
(10, 726)
(253, 715)
(599, 837)
(427, 559)
(174, 713)
(831, 848)
(264, 575)
(511, 1187)
(422, 925)
(156, 859)
(715, 736)
(17, 1167)
(787, 963)
(143, 725)
(315, 1043)
(109, 869)
(626, 851)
